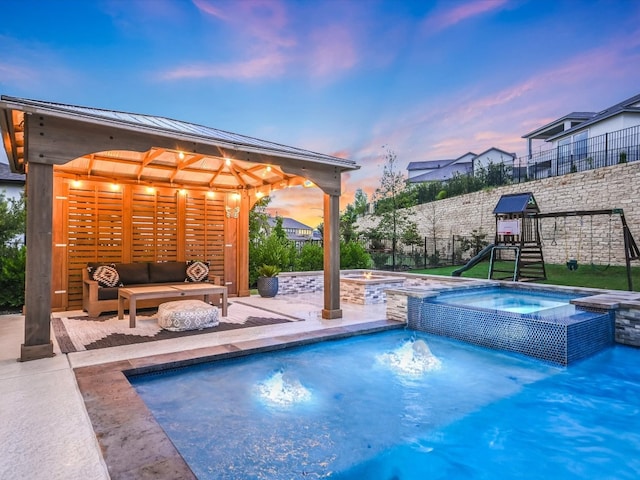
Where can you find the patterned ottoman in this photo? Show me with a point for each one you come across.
(187, 315)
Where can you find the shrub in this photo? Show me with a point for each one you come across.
(311, 258)
(12, 252)
(12, 274)
(353, 255)
(380, 260)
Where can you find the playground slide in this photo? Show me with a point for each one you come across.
(485, 252)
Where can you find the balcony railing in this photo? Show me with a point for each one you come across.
(621, 146)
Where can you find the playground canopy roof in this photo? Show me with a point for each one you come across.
(516, 203)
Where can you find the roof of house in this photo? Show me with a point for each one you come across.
(466, 158)
(429, 164)
(630, 105)
(512, 155)
(444, 173)
(437, 164)
(289, 223)
(7, 176)
(557, 126)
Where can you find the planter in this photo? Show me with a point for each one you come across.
(268, 286)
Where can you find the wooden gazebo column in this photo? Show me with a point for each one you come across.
(331, 257)
(37, 322)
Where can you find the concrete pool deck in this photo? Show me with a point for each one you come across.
(46, 431)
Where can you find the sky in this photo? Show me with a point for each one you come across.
(427, 80)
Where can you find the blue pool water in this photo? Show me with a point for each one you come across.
(515, 300)
(378, 407)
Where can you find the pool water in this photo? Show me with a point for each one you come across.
(358, 409)
(514, 300)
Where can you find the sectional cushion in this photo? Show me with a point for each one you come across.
(108, 293)
(133, 273)
(167, 272)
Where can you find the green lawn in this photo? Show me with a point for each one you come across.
(613, 277)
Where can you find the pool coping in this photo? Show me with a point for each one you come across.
(133, 444)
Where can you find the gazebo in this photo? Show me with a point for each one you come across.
(104, 185)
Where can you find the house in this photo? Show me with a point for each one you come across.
(493, 156)
(440, 170)
(585, 140)
(443, 170)
(11, 184)
(296, 231)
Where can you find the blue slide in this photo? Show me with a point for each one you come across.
(485, 252)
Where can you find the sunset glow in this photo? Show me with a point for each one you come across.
(429, 80)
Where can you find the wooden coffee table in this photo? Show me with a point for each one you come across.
(133, 294)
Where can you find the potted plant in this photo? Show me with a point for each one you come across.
(268, 280)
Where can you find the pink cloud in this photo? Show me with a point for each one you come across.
(448, 126)
(332, 50)
(447, 18)
(11, 73)
(267, 45)
(263, 67)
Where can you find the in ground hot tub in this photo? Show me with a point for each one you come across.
(367, 288)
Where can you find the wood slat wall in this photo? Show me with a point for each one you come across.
(132, 224)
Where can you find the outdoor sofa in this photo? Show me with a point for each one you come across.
(101, 281)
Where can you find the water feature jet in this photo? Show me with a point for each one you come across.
(282, 389)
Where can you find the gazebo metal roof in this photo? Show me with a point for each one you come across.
(198, 156)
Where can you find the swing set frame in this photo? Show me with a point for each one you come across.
(631, 251)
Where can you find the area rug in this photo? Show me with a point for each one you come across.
(80, 333)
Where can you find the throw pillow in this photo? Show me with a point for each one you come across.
(197, 271)
(106, 276)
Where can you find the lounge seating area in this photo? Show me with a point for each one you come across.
(101, 281)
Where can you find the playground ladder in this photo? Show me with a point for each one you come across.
(528, 264)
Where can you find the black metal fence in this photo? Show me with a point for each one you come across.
(431, 253)
(611, 148)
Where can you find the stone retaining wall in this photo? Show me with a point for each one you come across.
(617, 186)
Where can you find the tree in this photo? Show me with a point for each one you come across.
(360, 202)
(431, 217)
(12, 251)
(259, 230)
(393, 219)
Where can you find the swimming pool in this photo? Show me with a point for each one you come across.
(465, 412)
(539, 322)
(515, 300)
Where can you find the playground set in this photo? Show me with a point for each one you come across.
(518, 232)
